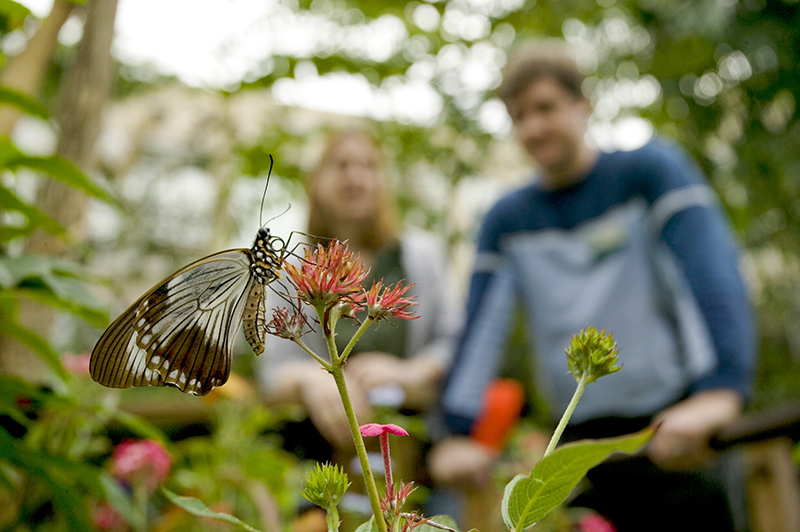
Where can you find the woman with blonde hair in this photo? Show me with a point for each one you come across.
(349, 199)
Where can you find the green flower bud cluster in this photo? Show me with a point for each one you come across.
(592, 354)
(325, 485)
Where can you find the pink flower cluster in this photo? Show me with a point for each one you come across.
(327, 275)
(332, 278)
(107, 519)
(144, 462)
(593, 522)
(384, 302)
(286, 323)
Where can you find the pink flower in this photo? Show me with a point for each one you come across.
(286, 323)
(383, 302)
(76, 364)
(327, 276)
(108, 519)
(141, 461)
(383, 431)
(593, 522)
(375, 429)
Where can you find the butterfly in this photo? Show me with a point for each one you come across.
(181, 332)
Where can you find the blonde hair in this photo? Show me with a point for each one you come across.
(383, 228)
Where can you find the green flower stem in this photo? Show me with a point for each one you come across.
(372, 490)
(582, 383)
(141, 498)
(332, 518)
(367, 322)
(325, 364)
(333, 353)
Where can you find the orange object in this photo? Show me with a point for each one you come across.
(502, 407)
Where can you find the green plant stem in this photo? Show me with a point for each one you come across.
(369, 481)
(363, 327)
(141, 498)
(582, 383)
(325, 364)
(332, 518)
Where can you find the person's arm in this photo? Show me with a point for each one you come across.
(419, 377)
(460, 458)
(490, 304)
(698, 236)
(681, 442)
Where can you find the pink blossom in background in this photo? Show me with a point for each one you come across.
(592, 522)
(108, 519)
(141, 461)
(76, 364)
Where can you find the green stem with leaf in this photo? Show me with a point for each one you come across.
(369, 480)
(582, 383)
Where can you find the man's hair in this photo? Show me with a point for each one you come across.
(533, 61)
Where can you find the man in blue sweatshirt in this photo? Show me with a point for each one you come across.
(633, 242)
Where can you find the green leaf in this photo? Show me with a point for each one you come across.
(61, 476)
(35, 343)
(369, 526)
(23, 102)
(121, 502)
(14, 12)
(198, 508)
(529, 499)
(35, 216)
(51, 282)
(54, 166)
(137, 425)
(12, 389)
(445, 520)
(60, 168)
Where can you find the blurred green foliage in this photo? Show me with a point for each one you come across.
(727, 78)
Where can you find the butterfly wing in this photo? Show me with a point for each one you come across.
(181, 332)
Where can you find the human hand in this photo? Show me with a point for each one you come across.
(417, 376)
(320, 396)
(461, 461)
(681, 442)
(375, 368)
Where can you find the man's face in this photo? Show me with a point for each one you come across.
(550, 123)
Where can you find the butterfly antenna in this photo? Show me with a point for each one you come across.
(284, 211)
(264, 195)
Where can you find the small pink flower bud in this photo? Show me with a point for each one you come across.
(375, 429)
(384, 302)
(141, 461)
(286, 323)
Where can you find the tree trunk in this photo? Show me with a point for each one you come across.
(25, 72)
(83, 92)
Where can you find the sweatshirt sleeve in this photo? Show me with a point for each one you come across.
(698, 234)
(480, 348)
(699, 239)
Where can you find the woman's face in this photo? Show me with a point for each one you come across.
(348, 184)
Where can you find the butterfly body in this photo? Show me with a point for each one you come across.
(181, 332)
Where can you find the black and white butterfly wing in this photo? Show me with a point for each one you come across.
(181, 332)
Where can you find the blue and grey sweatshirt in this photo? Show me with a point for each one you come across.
(639, 247)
